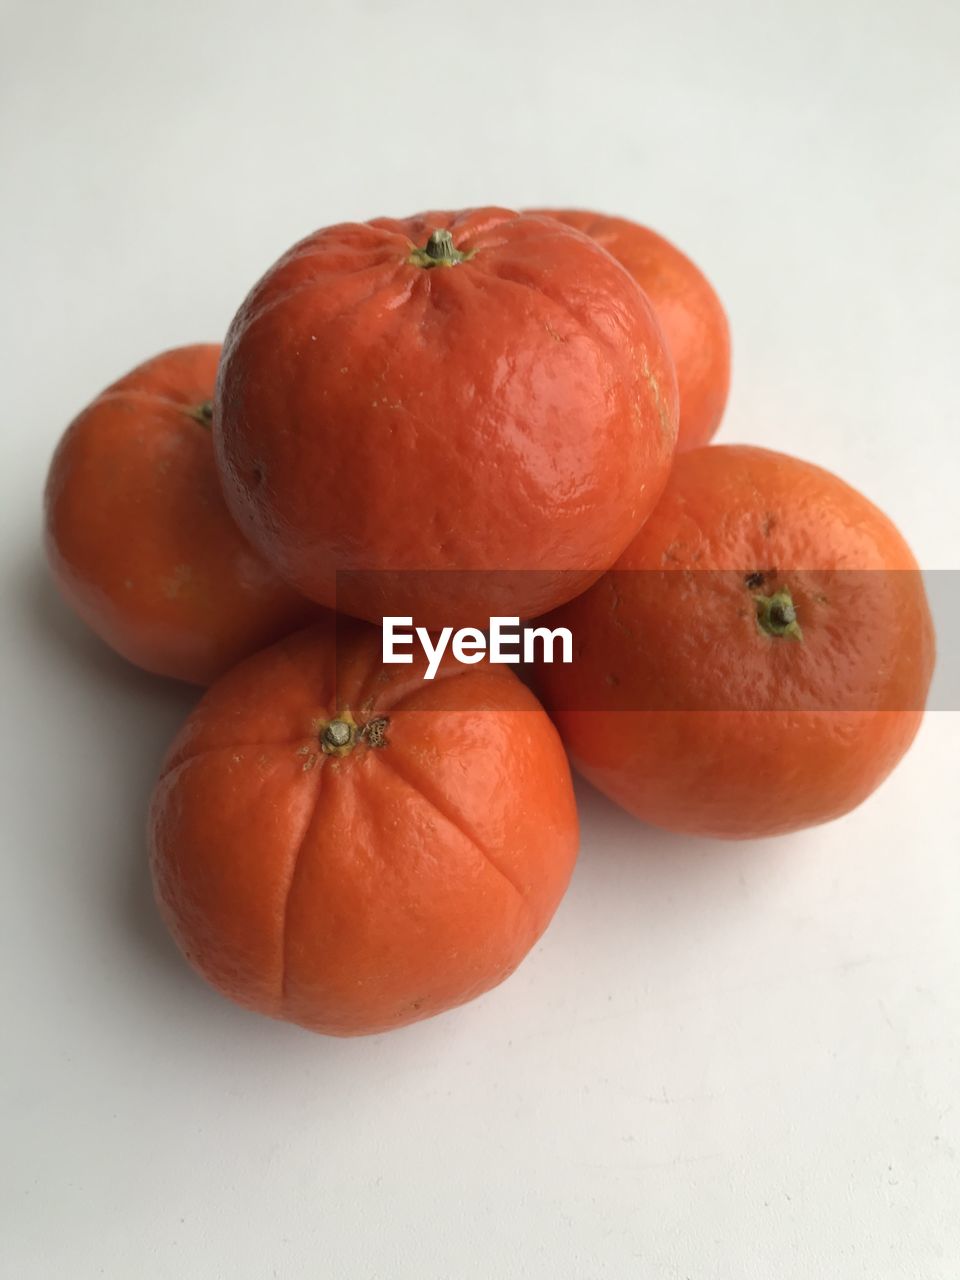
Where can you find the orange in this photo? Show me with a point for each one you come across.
(758, 659)
(341, 844)
(138, 536)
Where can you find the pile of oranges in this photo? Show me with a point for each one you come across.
(449, 418)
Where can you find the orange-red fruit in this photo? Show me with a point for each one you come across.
(343, 845)
(690, 313)
(394, 398)
(758, 659)
(139, 538)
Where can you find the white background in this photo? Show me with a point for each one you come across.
(722, 1061)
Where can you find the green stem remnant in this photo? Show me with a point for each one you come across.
(202, 413)
(777, 614)
(440, 251)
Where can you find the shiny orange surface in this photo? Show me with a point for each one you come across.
(692, 317)
(685, 711)
(139, 538)
(360, 891)
(514, 411)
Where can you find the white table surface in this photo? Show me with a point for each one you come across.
(722, 1061)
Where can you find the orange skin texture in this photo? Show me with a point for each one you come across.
(359, 893)
(514, 412)
(138, 536)
(691, 315)
(684, 711)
